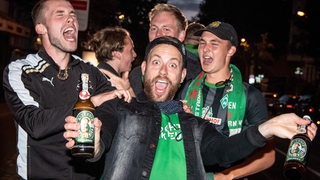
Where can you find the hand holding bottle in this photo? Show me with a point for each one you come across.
(72, 128)
(298, 152)
(285, 126)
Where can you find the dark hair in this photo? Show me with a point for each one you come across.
(167, 40)
(37, 10)
(192, 28)
(182, 20)
(107, 40)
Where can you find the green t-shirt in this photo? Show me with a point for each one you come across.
(169, 161)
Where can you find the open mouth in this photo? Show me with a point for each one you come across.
(69, 34)
(161, 86)
(207, 60)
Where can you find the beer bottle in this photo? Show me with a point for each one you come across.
(84, 112)
(297, 155)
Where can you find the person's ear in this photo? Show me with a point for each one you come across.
(182, 36)
(116, 55)
(40, 29)
(232, 50)
(183, 75)
(143, 67)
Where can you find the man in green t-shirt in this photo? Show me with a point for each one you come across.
(153, 138)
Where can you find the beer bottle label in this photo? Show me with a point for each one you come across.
(297, 150)
(86, 132)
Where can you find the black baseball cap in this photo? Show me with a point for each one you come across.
(221, 29)
(167, 40)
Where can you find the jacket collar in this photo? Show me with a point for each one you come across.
(45, 56)
(106, 66)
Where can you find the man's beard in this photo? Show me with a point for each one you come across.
(148, 90)
(58, 44)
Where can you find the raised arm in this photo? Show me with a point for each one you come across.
(228, 149)
(121, 83)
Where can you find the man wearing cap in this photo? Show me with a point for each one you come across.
(219, 95)
(153, 138)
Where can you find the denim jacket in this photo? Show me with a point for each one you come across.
(130, 134)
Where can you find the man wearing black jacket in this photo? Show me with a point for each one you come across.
(41, 90)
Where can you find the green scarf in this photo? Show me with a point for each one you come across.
(234, 99)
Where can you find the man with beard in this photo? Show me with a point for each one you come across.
(41, 90)
(153, 138)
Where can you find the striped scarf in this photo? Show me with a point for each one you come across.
(234, 99)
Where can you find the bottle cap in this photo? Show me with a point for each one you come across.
(301, 129)
(84, 95)
(307, 117)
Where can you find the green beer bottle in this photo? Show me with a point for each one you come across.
(84, 112)
(297, 155)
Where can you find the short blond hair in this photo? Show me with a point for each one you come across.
(162, 7)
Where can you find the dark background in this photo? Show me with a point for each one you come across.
(277, 43)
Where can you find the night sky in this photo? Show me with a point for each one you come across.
(251, 18)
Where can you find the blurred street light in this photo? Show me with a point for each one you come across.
(38, 41)
(121, 17)
(298, 71)
(244, 44)
(300, 13)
